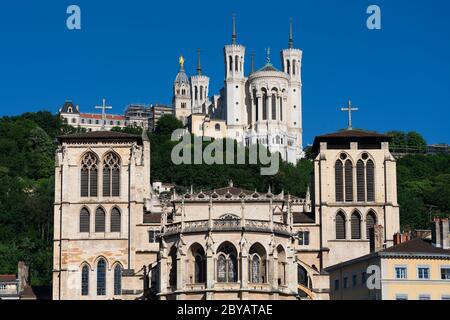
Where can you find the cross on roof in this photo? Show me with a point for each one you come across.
(104, 107)
(349, 109)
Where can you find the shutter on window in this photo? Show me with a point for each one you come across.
(356, 226)
(370, 181)
(93, 178)
(339, 181)
(84, 182)
(100, 220)
(340, 226)
(106, 182)
(115, 220)
(115, 182)
(360, 180)
(348, 181)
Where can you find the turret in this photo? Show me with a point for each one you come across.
(200, 86)
(182, 94)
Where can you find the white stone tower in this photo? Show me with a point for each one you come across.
(236, 113)
(199, 86)
(182, 101)
(292, 65)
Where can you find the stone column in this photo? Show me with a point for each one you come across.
(244, 275)
(253, 111)
(180, 273)
(259, 99)
(269, 106)
(163, 274)
(209, 275)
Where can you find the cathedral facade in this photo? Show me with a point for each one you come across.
(264, 106)
(115, 239)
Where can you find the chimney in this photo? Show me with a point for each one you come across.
(23, 275)
(397, 239)
(440, 233)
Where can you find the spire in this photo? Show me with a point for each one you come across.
(253, 62)
(268, 56)
(291, 39)
(199, 65)
(233, 35)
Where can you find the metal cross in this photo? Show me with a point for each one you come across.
(104, 107)
(349, 109)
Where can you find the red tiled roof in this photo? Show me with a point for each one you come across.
(8, 277)
(99, 116)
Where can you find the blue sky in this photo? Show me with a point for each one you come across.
(128, 52)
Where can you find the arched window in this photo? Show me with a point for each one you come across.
(281, 108)
(117, 280)
(274, 106)
(302, 276)
(201, 92)
(115, 220)
(356, 226)
(371, 221)
(85, 281)
(255, 98)
(217, 127)
(100, 220)
(348, 181)
(339, 180)
(230, 58)
(89, 174)
(370, 180)
(226, 263)
(84, 220)
(101, 277)
(288, 63)
(197, 264)
(264, 106)
(172, 267)
(236, 62)
(195, 93)
(257, 261)
(111, 176)
(294, 67)
(360, 181)
(340, 226)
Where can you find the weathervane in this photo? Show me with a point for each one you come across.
(349, 109)
(103, 107)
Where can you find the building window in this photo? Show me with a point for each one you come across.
(227, 264)
(74, 120)
(370, 168)
(89, 173)
(336, 285)
(274, 106)
(371, 221)
(339, 181)
(340, 226)
(82, 121)
(84, 220)
(445, 297)
(115, 220)
(363, 278)
(401, 297)
(345, 285)
(153, 236)
(356, 226)
(348, 181)
(354, 280)
(255, 269)
(257, 262)
(303, 238)
(217, 127)
(101, 277)
(445, 273)
(97, 122)
(118, 280)
(360, 182)
(400, 273)
(111, 176)
(424, 297)
(100, 220)
(264, 106)
(423, 273)
(85, 281)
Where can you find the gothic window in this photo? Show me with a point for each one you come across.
(172, 267)
(230, 58)
(348, 181)
(118, 280)
(100, 220)
(356, 226)
(288, 62)
(371, 220)
(111, 176)
(370, 168)
(115, 220)
(281, 266)
(257, 264)
(340, 226)
(236, 62)
(85, 281)
(201, 92)
(274, 107)
(302, 276)
(293, 67)
(360, 181)
(101, 277)
(339, 179)
(84, 220)
(226, 264)
(195, 93)
(89, 173)
(255, 98)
